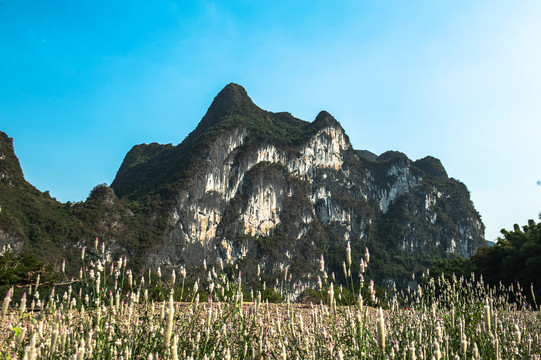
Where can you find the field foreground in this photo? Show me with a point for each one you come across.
(106, 314)
(267, 331)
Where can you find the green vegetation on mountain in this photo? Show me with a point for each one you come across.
(133, 228)
(22, 270)
(40, 222)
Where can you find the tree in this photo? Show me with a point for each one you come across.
(516, 257)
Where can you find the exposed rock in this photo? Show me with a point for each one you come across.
(250, 187)
(253, 196)
(10, 242)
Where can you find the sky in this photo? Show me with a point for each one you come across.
(81, 82)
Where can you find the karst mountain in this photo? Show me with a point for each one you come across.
(250, 188)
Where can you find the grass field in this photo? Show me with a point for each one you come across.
(106, 314)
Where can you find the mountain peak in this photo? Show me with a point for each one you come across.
(232, 94)
(233, 99)
(431, 166)
(324, 119)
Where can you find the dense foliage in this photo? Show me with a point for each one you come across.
(514, 259)
(33, 219)
(22, 270)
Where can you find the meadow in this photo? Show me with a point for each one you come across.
(107, 313)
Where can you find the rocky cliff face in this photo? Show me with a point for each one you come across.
(252, 187)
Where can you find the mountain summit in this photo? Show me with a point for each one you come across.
(233, 99)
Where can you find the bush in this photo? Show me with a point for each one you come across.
(22, 270)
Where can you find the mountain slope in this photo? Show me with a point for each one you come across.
(32, 221)
(29, 219)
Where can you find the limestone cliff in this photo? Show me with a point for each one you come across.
(249, 187)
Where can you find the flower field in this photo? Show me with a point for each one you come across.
(107, 314)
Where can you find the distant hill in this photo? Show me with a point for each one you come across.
(29, 219)
(251, 187)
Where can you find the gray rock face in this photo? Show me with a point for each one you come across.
(246, 197)
(10, 242)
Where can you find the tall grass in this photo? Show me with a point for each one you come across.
(108, 313)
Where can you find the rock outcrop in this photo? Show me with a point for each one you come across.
(254, 187)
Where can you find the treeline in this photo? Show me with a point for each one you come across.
(514, 259)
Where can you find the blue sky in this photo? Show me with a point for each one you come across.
(81, 82)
